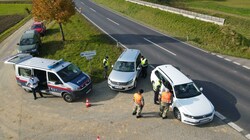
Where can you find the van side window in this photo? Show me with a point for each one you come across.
(52, 77)
(157, 73)
(24, 72)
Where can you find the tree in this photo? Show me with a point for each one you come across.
(58, 10)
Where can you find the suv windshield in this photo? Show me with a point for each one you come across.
(27, 41)
(124, 66)
(186, 90)
(69, 73)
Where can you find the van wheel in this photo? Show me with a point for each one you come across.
(135, 84)
(177, 114)
(67, 97)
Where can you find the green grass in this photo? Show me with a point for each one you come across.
(215, 38)
(10, 9)
(80, 36)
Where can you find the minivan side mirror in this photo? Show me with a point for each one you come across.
(201, 89)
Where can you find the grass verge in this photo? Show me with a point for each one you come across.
(80, 36)
(215, 38)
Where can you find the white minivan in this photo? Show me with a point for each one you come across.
(189, 104)
(56, 77)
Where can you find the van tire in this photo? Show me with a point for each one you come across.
(67, 97)
(28, 91)
(177, 114)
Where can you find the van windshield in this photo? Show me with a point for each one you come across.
(124, 66)
(69, 73)
(27, 41)
(186, 90)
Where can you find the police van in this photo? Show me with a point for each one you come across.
(56, 77)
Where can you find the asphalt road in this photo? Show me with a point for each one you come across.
(226, 84)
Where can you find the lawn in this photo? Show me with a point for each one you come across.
(80, 36)
(220, 39)
(12, 17)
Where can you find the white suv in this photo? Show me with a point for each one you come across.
(189, 104)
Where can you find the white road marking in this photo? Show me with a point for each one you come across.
(236, 63)
(160, 47)
(227, 59)
(236, 127)
(152, 66)
(246, 67)
(248, 136)
(219, 56)
(93, 9)
(113, 21)
(82, 3)
(219, 115)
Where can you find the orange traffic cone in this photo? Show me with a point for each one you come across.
(87, 103)
(98, 138)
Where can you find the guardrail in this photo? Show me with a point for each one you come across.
(194, 15)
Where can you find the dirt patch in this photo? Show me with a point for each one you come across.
(8, 21)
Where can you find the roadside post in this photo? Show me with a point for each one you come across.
(88, 55)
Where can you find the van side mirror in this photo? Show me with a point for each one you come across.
(201, 89)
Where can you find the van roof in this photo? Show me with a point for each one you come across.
(129, 55)
(45, 64)
(176, 77)
(28, 34)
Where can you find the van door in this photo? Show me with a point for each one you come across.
(22, 77)
(17, 58)
(55, 85)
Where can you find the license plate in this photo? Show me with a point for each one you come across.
(205, 120)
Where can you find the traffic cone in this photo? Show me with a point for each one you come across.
(87, 103)
(98, 138)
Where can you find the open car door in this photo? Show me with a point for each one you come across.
(17, 58)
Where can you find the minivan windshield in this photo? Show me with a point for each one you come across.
(186, 90)
(27, 41)
(124, 66)
(69, 73)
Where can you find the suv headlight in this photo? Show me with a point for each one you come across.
(189, 116)
(130, 82)
(33, 50)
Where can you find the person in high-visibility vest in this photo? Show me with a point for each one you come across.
(157, 87)
(166, 101)
(138, 103)
(144, 65)
(105, 66)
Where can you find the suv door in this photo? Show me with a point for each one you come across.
(138, 65)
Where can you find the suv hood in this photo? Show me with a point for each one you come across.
(26, 47)
(195, 106)
(118, 76)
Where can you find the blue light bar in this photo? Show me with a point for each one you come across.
(55, 64)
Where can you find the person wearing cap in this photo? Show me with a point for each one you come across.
(144, 65)
(138, 103)
(166, 100)
(105, 66)
(33, 84)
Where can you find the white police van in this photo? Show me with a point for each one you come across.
(57, 77)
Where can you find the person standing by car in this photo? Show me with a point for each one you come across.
(138, 103)
(105, 66)
(33, 84)
(157, 87)
(144, 64)
(166, 100)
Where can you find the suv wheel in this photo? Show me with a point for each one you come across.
(177, 114)
(67, 97)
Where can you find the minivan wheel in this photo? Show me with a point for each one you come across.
(135, 84)
(177, 114)
(67, 97)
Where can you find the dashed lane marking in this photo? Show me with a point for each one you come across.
(113, 21)
(246, 67)
(219, 115)
(93, 9)
(227, 59)
(160, 47)
(82, 3)
(236, 127)
(219, 56)
(236, 63)
(248, 136)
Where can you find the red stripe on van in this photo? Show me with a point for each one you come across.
(61, 88)
(17, 78)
